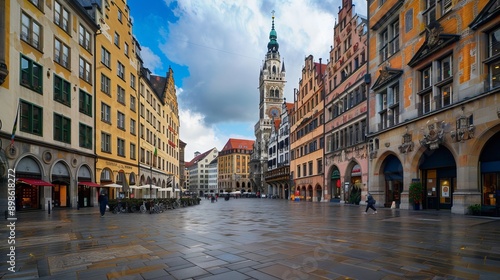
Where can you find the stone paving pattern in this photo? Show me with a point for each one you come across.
(254, 239)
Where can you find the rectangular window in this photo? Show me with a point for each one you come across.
(31, 31)
(426, 75)
(120, 145)
(446, 95)
(85, 136)
(494, 54)
(61, 16)
(446, 6)
(426, 103)
(430, 11)
(62, 91)
(117, 39)
(132, 151)
(31, 118)
(121, 120)
(105, 57)
(105, 113)
(105, 142)
(120, 93)
(84, 38)
(62, 128)
(132, 103)
(31, 74)
(383, 119)
(495, 74)
(120, 16)
(132, 126)
(394, 44)
(120, 71)
(105, 84)
(126, 49)
(384, 48)
(85, 103)
(445, 68)
(37, 3)
(389, 41)
(61, 53)
(132, 80)
(85, 70)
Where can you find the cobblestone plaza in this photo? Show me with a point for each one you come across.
(253, 239)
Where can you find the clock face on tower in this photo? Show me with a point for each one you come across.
(273, 112)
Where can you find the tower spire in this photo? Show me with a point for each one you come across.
(273, 45)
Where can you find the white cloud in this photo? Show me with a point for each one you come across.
(197, 136)
(150, 59)
(223, 44)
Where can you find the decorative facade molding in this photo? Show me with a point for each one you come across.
(433, 135)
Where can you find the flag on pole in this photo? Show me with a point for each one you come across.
(156, 151)
(14, 128)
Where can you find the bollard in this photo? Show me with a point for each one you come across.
(49, 205)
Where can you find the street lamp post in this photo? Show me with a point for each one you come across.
(150, 189)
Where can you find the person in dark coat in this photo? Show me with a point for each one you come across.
(103, 202)
(369, 204)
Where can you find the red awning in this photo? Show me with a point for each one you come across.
(34, 182)
(88, 184)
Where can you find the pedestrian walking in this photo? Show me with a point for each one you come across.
(103, 202)
(369, 204)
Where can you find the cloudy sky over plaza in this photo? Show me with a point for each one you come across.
(216, 49)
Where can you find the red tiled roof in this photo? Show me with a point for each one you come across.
(238, 144)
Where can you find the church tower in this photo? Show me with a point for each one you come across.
(271, 89)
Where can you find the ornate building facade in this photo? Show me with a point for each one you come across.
(307, 133)
(433, 105)
(346, 160)
(278, 164)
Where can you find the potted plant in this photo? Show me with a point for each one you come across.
(474, 209)
(416, 194)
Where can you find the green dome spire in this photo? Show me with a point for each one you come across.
(273, 45)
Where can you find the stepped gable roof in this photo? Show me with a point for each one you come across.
(243, 144)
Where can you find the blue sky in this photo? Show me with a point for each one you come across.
(216, 49)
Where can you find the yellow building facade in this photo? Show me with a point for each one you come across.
(116, 79)
(158, 136)
(307, 133)
(233, 166)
